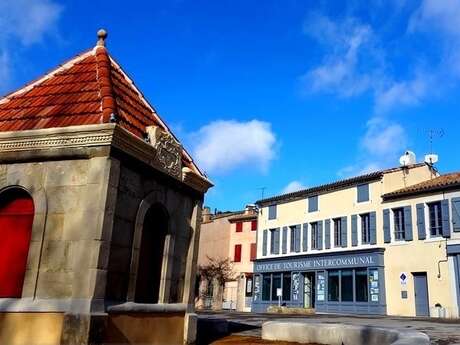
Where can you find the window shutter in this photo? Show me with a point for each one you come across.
(421, 221)
(363, 192)
(343, 230)
(276, 247)
(386, 226)
(456, 214)
(320, 235)
(373, 227)
(327, 233)
(354, 230)
(313, 203)
(305, 237)
(297, 238)
(237, 254)
(284, 246)
(272, 212)
(445, 218)
(253, 251)
(408, 223)
(264, 242)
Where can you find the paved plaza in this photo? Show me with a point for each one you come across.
(440, 331)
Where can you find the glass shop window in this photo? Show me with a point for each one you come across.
(435, 219)
(333, 285)
(361, 289)
(346, 286)
(286, 286)
(266, 284)
(399, 228)
(276, 283)
(249, 287)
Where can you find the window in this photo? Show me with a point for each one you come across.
(435, 214)
(333, 285)
(286, 287)
(254, 225)
(365, 228)
(399, 228)
(266, 285)
(295, 239)
(276, 284)
(249, 286)
(273, 241)
(272, 212)
(239, 226)
(346, 286)
(361, 290)
(237, 256)
(314, 235)
(313, 203)
(253, 251)
(337, 232)
(363, 192)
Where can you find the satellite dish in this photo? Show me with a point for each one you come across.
(431, 159)
(408, 158)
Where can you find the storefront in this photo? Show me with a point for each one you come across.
(349, 282)
(453, 252)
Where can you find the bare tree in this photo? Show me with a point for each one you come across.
(219, 270)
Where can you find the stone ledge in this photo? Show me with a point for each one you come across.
(339, 334)
(131, 307)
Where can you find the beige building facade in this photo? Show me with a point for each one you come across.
(229, 236)
(100, 208)
(362, 245)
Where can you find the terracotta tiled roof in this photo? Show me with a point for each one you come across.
(85, 90)
(442, 182)
(243, 217)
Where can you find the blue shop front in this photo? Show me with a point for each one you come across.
(347, 282)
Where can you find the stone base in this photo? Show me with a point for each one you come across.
(290, 310)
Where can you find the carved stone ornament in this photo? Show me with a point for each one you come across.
(168, 151)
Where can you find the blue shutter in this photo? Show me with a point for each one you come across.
(373, 227)
(445, 218)
(363, 192)
(456, 214)
(272, 212)
(354, 230)
(297, 238)
(343, 230)
(305, 237)
(264, 243)
(313, 203)
(276, 246)
(320, 235)
(327, 233)
(421, 221)
(386, 226)
(408, 223)
(284, 245)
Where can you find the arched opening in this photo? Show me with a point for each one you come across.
(151, 252)
(16, 217)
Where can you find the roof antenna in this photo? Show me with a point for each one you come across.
(101, 37)
(262, 189)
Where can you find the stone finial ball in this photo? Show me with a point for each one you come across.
(102, 34)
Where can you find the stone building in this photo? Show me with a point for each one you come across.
(100, 207)
(232, 236)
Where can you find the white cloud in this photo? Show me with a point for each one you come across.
(293, 186)
(441, 14)
(224, 145)
(348, 43)
(22, 23)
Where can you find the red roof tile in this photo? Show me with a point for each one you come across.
(87, 89)
(442, 182)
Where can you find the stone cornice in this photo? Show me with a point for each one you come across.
(54, 141)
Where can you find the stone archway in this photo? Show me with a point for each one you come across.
(151, 255)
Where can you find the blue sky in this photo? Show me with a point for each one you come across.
(272, 94)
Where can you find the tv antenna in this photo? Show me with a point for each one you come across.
(434, 133)
(262, 191)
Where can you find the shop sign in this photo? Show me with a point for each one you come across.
(403, 278)
(341, 261)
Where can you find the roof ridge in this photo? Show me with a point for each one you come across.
(104, 79)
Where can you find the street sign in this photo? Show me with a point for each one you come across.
(279, 292)
(403, 278)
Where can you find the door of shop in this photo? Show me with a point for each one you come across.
(421, 294)
(309, 290)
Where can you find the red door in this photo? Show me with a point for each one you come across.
(16, 217)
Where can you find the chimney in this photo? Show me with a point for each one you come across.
(250, 209)
(206, 215)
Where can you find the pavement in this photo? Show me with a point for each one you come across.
(440, 331)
